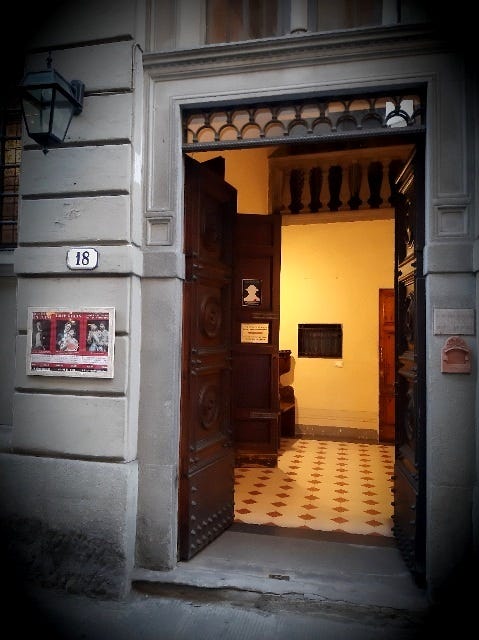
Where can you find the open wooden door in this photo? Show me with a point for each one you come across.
(255, 392)
(206, 482)
(410, 440)
(387, 366)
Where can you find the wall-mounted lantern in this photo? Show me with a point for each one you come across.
(48, 104)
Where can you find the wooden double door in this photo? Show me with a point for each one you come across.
(387, 366)
(410, 429)
(230, 380)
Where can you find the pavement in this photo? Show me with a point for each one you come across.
(250, 584)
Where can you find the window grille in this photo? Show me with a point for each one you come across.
(307, 120)
(10, 157)
(320, 341)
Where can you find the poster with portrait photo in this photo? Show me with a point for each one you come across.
(71, 342)
(251, 292)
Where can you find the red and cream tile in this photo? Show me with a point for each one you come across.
(320, 485)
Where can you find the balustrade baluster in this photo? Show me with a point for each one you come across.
(375, 179)
(296, 185)
(315, 185)
(355, 177)
(335, 179)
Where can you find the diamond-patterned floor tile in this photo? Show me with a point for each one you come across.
(325, 479)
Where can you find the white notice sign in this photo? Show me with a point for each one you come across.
(254, 332)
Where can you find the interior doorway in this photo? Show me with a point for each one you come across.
(324, 260)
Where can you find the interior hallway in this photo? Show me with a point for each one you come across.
(320, 485)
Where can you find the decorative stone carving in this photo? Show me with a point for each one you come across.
(455, 356)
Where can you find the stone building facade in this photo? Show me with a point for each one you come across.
(90, 466)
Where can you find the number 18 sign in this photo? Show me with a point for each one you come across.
(82, 258)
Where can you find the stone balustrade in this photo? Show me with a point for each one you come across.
(352, 180)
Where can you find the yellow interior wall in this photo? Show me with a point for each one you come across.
(332, 273)
(247, 171)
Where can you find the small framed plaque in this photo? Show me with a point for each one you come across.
(255, 332)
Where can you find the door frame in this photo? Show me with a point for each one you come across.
(414, 138)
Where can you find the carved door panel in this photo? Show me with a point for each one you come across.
(410, 439)
(206, 483)
(387, 366)
(255, 392)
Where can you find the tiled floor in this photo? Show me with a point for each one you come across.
(320, 485)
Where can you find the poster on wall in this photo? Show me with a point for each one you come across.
(71, 342)
(251, 292)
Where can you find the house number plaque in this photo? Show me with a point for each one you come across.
(85, 258)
